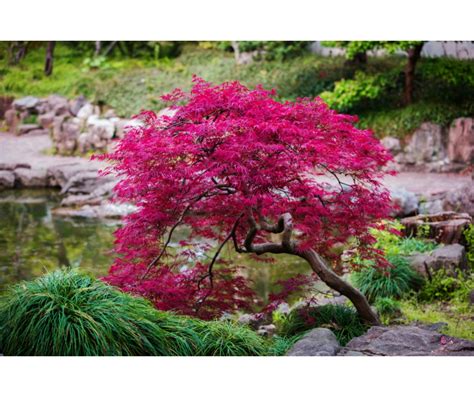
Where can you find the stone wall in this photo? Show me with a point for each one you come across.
(75, 126)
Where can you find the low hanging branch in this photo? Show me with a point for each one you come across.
(259, 162)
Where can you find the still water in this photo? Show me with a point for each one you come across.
(33, 241)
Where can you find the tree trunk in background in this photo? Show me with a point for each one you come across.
(16, 52)
(413, 57)
(327, 275)
(48, 64)
(98, 47)
(236, 48)
(359, 60)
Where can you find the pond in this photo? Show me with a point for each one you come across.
(33, 240)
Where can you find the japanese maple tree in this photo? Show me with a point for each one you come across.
(237, 167)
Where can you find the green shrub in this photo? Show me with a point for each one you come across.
(394, 245)
(443, 287)
(469, 236)
(226, 338)
(279, 345)
(387, 309)
(361, 92)
(446, 79)
(392, 282)
(68, 313)
(401, 121)
(342, 320)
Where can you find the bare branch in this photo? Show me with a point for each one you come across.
(209, 273)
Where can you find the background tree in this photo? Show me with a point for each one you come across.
(49, 58)
(357, 51)
(237, 167)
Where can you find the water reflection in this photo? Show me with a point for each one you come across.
(33, 241)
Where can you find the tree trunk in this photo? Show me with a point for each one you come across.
(325, 273)
(358, 61)
(16, 52)
(98, 47)
(236, 48)
(48, 64)
(413, 56)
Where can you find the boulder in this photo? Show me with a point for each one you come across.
(25, 103)
(5, 104)
(317, 342)
(110, 114)
(104, 210)
(59, 175)
(123, 125)
(86, 111)
(12, 120)
(7, 179)
(98, 136)
(38, 131)
(26, 128)
(76, 104)
(461, 200)
(26, 177)
(85, 182)
(461, 141)
(46, 120)
(392, 145)
(406, 202)
(58, 105)
(407, 340)
(66, 131)
(451, 257)
(425, 146)
(13, 166)
(42, 107)
(433, 206)
(445, 227)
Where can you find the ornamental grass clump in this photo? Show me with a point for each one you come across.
(66, 313)
(342, 320)
(225, 338)
(393, 282)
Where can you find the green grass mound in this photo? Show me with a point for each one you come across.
(68, 313)
(342, 320)
(226, 338)
(393, 282)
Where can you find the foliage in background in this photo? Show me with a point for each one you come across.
(352, 48)
(399, 122)
(390, 240)
(361, 92)
(469, 236)
(342, 320)
(131, 79)
(276, 50)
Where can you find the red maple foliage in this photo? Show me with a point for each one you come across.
(234, 165)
